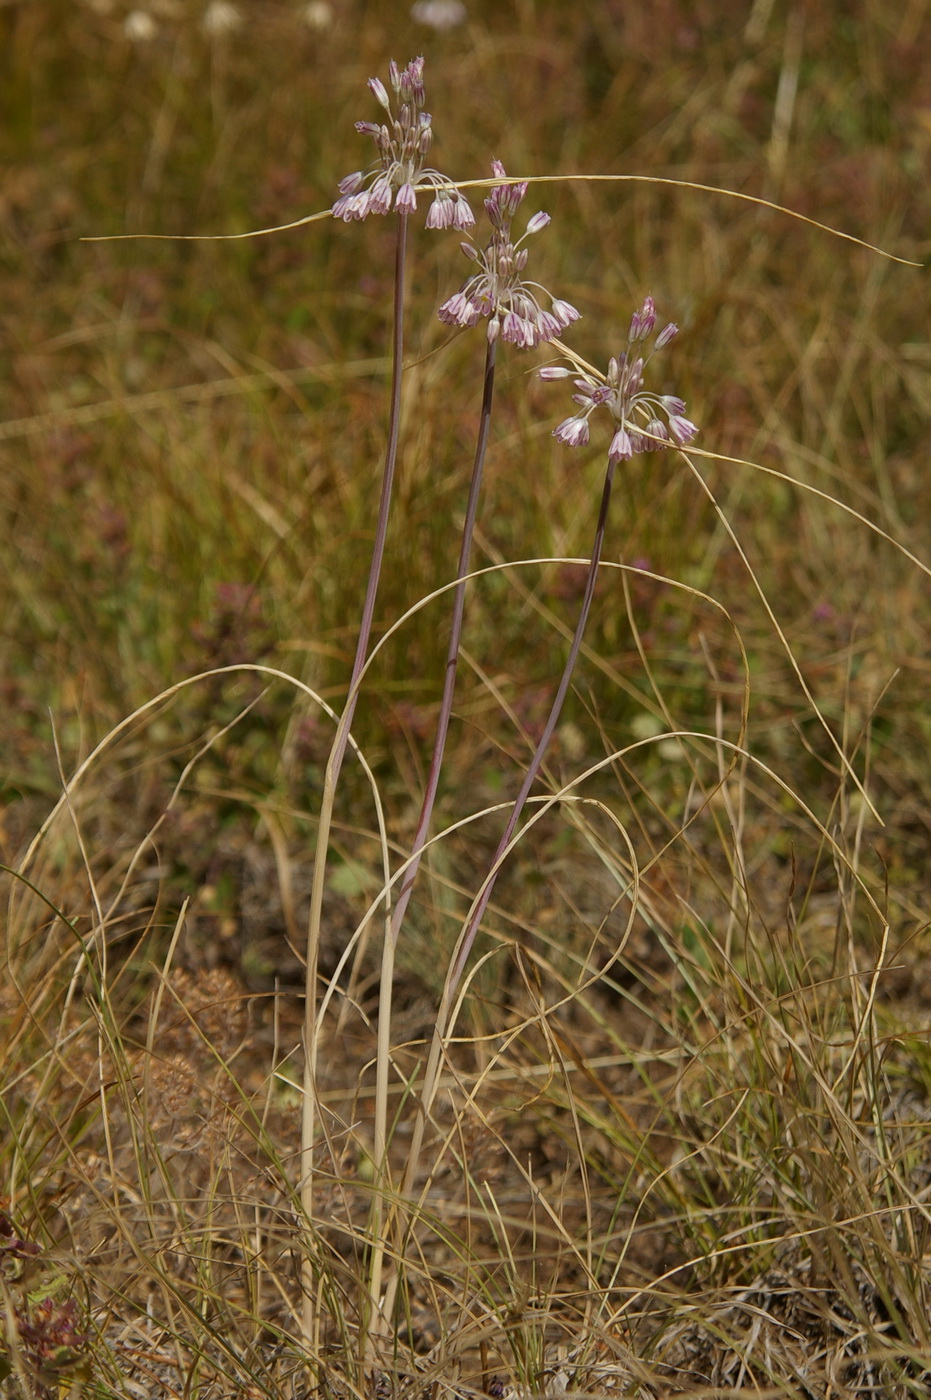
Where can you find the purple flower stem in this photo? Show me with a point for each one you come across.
(381, 1310)
(467, 938)
(384, 505)
(334, 765)
(475, 918)
(452, 656)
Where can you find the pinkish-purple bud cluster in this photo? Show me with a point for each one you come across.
(402, 143)
(498, 291)
(643, 421)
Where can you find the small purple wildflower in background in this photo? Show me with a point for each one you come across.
(638, 415)
(498, 291)
(439, 14)
(220, 17)
(390, 182)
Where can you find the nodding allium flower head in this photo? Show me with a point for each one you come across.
(643, 422)
(498, 290)
(402, 143)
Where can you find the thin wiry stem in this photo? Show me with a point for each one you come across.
(475, 918)
(334, 764)
(452, 656)
(421, 835)
(467, 937)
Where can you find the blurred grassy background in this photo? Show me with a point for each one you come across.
(192, 431)
(190, 452)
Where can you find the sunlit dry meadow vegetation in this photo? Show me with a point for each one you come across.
(681, 1143)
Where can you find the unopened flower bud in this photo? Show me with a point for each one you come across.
(380, 92)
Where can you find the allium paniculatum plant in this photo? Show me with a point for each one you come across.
(389, 185)
(391, 181)
(499, 291)
(519, 312)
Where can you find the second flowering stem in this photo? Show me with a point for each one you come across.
(421, 835)
(455, 635)
(642, 422)
(467, 938)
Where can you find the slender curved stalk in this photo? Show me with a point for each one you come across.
(452, 656)
(475, 918)
(334, 765)
(420, 840)
(470, 929)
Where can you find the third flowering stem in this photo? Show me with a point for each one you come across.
(467, 937)
(643, 422)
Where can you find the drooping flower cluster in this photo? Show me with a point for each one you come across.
(402, 143)
(498, 290)
(643, 422)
